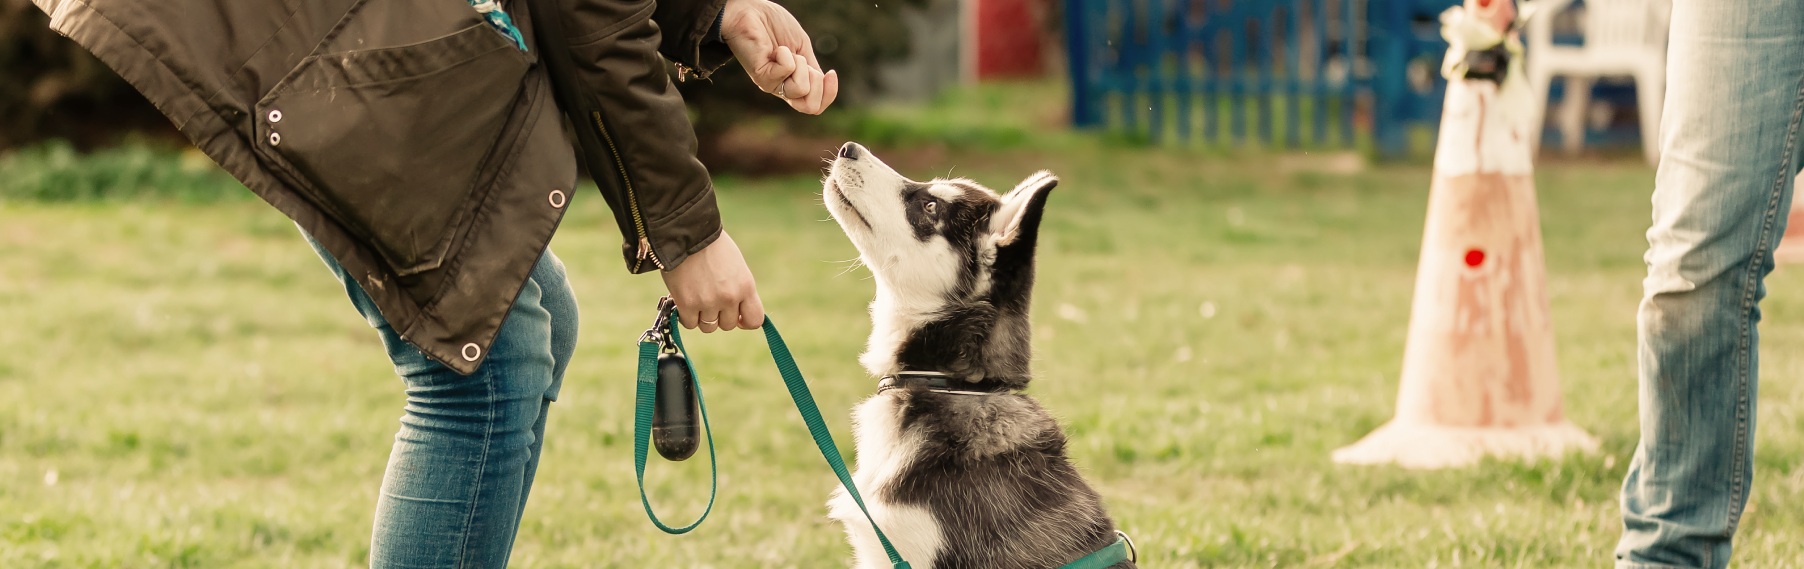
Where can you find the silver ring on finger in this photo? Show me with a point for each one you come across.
(781, 94)
(711, 322)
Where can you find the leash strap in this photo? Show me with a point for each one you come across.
(811, 414)
(1104, 558)
(642, 409)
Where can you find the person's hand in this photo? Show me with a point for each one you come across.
(775, 51)
(713, 289)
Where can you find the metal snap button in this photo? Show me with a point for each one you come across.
(557, 198)
(275, 139)
(471, 352)
(275, 115)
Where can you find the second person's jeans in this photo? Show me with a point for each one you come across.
(468, 446)
(1730, 149)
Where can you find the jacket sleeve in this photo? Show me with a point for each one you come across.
(632, 128)
(688, 27)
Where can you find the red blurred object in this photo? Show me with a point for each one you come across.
(1791, 245)
(1475, 258)
(1007, 38)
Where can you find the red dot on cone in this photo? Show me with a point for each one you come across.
(1474, 257)
(1484, 3)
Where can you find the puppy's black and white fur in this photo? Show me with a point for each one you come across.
(956, 480)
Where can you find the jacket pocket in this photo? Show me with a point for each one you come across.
(396, 143)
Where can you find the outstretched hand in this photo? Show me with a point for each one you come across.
(776, 52)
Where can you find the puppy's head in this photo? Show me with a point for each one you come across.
(939, 242)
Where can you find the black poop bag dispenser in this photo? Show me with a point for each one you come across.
(676, 428)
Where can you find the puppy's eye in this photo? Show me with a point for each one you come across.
(932, 206)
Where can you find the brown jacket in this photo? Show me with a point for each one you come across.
(418, 145)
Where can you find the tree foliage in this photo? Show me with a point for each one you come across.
(52, 88)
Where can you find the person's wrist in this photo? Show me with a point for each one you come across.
(729, 11)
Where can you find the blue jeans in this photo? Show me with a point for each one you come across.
(468, 447)
(1730, 148)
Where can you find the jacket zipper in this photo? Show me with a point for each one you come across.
(632, 200)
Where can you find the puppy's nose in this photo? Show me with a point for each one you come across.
(850, 151)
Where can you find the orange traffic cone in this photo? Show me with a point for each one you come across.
(1479, 377)
(1791, 247)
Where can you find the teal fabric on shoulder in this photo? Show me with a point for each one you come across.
(491, 11)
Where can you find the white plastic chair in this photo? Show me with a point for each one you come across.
(1622, 37)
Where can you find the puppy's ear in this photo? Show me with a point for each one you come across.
(1020, 211)
(1016, 225)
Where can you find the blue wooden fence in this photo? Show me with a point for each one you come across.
(1277, 72)
(1406, 52)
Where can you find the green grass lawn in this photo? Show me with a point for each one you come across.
(184, 385)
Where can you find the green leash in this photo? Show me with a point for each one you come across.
(798, 390)
(643, 401)
(649, 346)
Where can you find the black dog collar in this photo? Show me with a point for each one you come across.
(939, 383)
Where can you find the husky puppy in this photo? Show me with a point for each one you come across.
(959, 468)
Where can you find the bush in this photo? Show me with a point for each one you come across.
(55, 89)
(56, 172)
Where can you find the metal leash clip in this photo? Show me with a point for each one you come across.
(656, 333)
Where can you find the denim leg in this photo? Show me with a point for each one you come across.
(557, 299)
(1729, 152)
(468, 447)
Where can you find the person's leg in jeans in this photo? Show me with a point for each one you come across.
(1730, 147)
(468, 447)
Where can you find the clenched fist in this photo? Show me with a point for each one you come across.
(775, 51)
